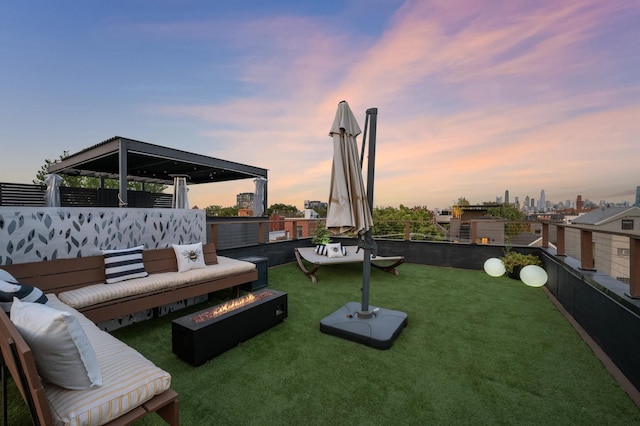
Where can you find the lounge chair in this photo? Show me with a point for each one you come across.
(308, 254)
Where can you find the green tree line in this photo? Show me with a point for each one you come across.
(88, 181)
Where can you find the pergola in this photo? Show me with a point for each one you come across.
(131, 160)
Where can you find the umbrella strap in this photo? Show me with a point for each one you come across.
(364, 139)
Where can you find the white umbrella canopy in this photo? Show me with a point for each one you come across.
(348, 209)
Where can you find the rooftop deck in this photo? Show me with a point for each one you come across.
(477, 349)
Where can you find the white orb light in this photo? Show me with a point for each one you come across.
(494, 267)
(533, 276)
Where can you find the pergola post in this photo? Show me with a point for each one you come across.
(122, 181)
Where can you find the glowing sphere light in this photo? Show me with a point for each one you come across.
(494, 267)
(533, 276)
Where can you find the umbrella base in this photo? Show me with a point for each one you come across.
(379, 330)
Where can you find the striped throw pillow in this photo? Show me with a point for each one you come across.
(22, 292)
(124, 264)
(322, 249)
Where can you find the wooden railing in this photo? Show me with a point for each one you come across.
(586, 253)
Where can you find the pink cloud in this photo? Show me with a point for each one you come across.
(472, 100)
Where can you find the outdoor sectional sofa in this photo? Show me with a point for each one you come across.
(81, 282)
(131, 385)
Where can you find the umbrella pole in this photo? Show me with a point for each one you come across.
(369, 244)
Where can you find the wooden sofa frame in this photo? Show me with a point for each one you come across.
(18, 359)
(56, 276)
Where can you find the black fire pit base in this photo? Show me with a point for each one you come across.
(378, 331)
(198, 342)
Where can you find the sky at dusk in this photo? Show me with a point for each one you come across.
(473, 97)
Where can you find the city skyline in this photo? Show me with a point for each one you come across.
(472, 96)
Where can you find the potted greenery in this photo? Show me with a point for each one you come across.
(514, 261)
(321, 235)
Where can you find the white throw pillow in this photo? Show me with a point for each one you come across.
(189, 256)
(63, 354)
(123, 264)
(334, 250)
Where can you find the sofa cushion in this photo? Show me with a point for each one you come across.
(189, 256)
(99, 293)
(128, 380)
(123, 264)
(63, 354)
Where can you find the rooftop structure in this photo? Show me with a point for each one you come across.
(131, 160)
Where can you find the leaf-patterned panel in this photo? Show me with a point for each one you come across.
(29, 234)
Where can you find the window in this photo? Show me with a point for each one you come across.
(623, 252)
(627, 224)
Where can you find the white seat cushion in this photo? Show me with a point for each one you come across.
(99, 293)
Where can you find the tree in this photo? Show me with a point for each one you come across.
(462, 201)
(389, 221)
(283, 210)
(215, 210)
(322, 211)
(505, 211)
(458, 206)
(90, 182)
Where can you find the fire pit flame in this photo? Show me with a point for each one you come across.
(229, 306)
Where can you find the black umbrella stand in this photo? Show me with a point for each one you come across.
(372, 326)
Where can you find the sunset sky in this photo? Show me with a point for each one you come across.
(473, 97)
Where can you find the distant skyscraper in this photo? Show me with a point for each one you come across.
(542, 203)
(637, 203)
(506, 196)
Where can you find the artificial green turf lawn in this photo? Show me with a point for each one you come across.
(477, 350)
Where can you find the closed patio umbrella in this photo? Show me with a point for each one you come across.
(180, 199)
(348, 209)
(52, 194)
(258, 196)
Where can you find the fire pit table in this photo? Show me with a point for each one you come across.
(201, 336)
